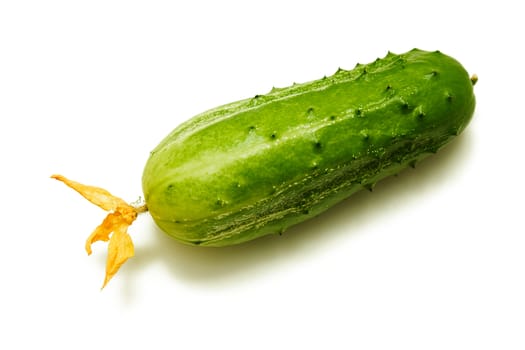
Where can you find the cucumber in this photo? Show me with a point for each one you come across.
(261, 165)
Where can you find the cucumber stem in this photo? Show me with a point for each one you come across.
(474, 79)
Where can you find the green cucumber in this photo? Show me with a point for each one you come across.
(263, 164)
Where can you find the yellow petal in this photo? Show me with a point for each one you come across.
(95, 195)
(120, 249)
(102, 232)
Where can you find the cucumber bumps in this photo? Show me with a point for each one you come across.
(261, 165)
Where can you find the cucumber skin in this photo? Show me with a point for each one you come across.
(263, 164)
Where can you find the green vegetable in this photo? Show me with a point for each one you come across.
(261, 165)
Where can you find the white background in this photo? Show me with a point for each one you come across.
(432, 259)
